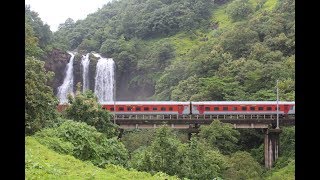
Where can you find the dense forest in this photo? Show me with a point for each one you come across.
(198, 50)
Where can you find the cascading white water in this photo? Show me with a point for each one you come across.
(85, 64)
(67, 86)
(104, 80)
(96, 55)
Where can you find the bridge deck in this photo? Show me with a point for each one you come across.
(186, 121)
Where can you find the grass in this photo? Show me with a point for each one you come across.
(43, 163)
(286, 173)
(184, 41)
(220, 15)
(269, 5)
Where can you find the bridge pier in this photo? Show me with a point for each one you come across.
(271, 146)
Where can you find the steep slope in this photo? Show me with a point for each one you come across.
(192, 50)
(43, 163)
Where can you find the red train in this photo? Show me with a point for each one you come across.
(200, 108)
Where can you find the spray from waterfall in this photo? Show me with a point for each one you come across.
(104, 80)
(85, 76)
(67, 86)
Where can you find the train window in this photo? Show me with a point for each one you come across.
(260, 108)
(275, 108)
(163, 108)
(225, 108)
(207, 108)
(234, 108)
(216, 108)
(138, 109)
(146, 108)
(104, 108)
(121, 108)
(269, 108)
(170, 108)
(154, 108)
(129, 108)
(244, 108)
(112, 109)
(252, 108)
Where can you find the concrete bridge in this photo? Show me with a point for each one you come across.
(191, 124)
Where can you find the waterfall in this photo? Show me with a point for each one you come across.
(85, 76)
(67, 86)
(96, 55)
(104, 80)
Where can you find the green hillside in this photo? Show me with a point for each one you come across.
(43, 163)
(183, 50)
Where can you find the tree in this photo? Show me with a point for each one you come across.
(85, 108)
(87, 143)
(201, 162)
(242, 166)
(287, 147)
(221, 136)
(164, 154)
(250, 138)
(138, 138)
(40, 102)
(238, 40)
(239, 9)
(31, 42)
(67, 25)
(41, 31)
(286, 173)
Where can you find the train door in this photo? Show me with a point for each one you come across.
(180, 109)
(201, 109)
(286, 110)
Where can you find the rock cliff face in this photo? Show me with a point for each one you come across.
(56, 61)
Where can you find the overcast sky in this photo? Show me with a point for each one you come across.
(55, 12)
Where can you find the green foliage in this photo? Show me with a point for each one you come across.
(238, 40)
(285, 173)
(250, 138)
(239, 9)
(202, 163)
(85, 108)
(55, 143)
(89, 145)
(287, 147)
(138, 138)
(43, 163)
(40, 102)
(31, 43)
(134, 18)
(258, 154)
(220, 17)
(162, 48)
(220, 136)
(252, 53)
(243, 166)
(287, 138)
(40, 30)
(166, 50)
(164, 154)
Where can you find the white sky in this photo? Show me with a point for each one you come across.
(55, 12)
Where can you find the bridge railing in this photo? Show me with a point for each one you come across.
(200, 117)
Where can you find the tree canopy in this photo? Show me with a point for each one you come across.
(40, 102)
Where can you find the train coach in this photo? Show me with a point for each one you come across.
(148, 107)
(242, 108)
(198, 108)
